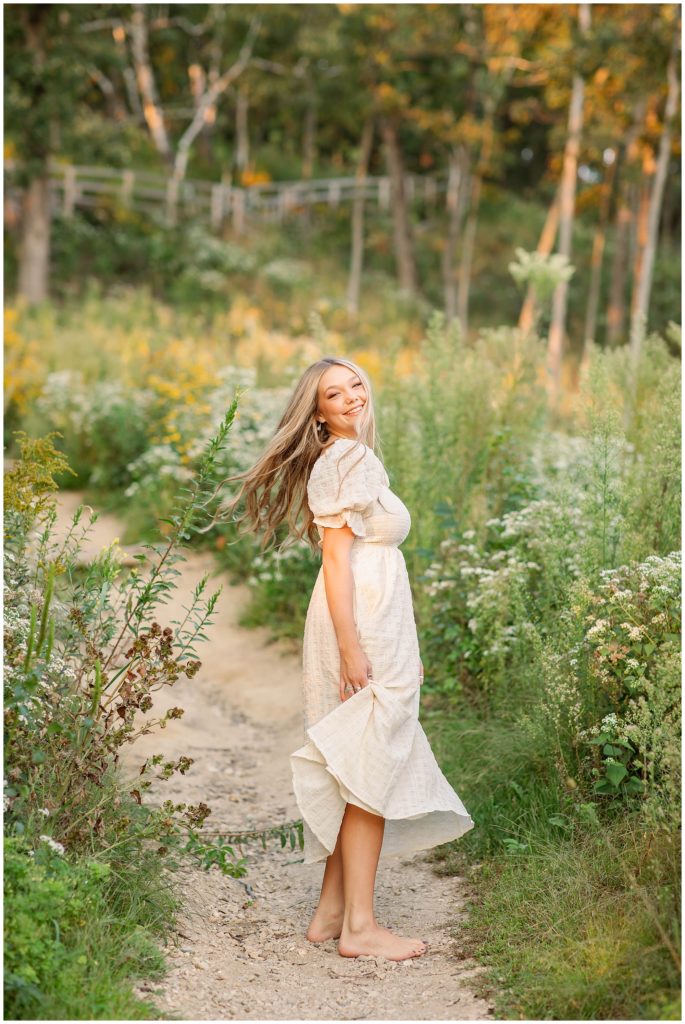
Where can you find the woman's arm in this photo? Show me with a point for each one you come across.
(339, 585)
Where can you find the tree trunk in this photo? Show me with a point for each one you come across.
(242, 135)
(529, 311)
(616, 310)
(622, 230)
(468, 246)
(309, 135)
(34, 245)
(207, 105)
(455, 200)
(598, 256)
(404, 245)
(467, 249)
(567, 198)
(152, 111)
(639, 224)
(643, 286)
(354, 281)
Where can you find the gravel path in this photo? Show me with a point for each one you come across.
(241, 952)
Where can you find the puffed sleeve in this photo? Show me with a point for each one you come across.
(341, 486)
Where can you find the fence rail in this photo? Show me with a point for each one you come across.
(74, 187)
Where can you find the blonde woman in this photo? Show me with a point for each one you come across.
(365, 780)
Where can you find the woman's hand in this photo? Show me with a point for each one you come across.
(355, 672)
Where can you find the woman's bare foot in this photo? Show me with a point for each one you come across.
(377, 941)
(325, 925)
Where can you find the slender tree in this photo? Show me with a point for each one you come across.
(357, 255)
(48, 80)
(655, 189)
(566, 213)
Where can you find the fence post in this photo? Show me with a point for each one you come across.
(238, 210)
(409, 187)
(69, 190)
(384, 193)
(334, 193)
(172, 201)
(127, 182)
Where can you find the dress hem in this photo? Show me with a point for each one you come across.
(313, 756)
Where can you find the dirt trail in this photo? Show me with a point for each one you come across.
(241, 952)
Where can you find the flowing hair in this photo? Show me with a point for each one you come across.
(275, 487)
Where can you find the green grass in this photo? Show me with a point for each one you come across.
(79, 935)
(580, 921)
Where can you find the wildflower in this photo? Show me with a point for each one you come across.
(599, 627)
(53, 844)
(44, 810)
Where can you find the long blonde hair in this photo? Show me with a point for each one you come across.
(287, 461)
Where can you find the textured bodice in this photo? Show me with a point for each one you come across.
(349, 485)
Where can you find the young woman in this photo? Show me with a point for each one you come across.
(366, 780)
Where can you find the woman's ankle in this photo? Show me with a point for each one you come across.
(358, 924)
(329, 910)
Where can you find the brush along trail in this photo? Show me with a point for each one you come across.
(238, 950)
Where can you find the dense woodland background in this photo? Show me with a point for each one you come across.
(540, 121)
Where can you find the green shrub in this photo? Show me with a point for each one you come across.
(67, 953)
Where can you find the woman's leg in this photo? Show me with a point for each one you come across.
(360, 839)
(328, 916)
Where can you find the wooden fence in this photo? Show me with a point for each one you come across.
(73, 186)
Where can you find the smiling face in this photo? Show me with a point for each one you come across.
(341, 400)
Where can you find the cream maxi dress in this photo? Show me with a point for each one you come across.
(369, 750)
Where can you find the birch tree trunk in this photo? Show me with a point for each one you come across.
(242, 135)
(457, 190)
(33, 277)
(34, 244)
(357, 257)
(404, 246)
(467, 248)
(555, 346)
(640, 225)
(644, 282)
(152, 111)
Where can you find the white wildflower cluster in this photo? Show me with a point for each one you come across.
(634, 632)
(599, 629)
(207, 252)
(287, 272)
(160, 463)
(53, 844)
(259, 411)
(71, 404)
(268, 566)
(562, 704)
